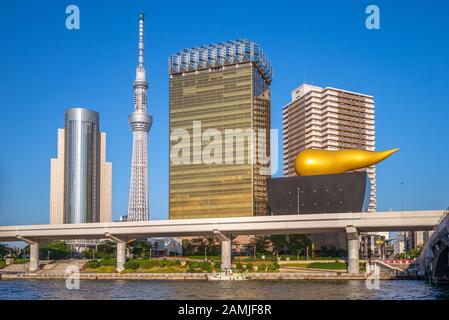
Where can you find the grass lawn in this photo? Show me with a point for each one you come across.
(21, 261)
(102, 269)
(317, 265)
(171, 269)
(321, 265)
(255, 261)
(213, 258)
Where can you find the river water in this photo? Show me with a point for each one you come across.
(154, 290)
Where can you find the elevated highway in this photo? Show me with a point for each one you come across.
(122, 232)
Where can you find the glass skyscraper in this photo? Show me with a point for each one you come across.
(81, 178)
(220, 87)
(82, 172)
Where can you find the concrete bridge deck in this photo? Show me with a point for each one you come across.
(122, 232)
(286, 224)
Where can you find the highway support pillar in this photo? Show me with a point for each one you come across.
(34, 253)
(352, 237)
(121, 251)
(226, 250)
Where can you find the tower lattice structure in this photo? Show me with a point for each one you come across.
(140, 121)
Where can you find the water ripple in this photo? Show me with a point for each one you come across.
(201, 290)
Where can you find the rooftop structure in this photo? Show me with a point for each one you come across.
(220, 54)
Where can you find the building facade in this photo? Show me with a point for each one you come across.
(57, 182)
(105, 183)
(163, 246)
(329, 119)
(140, 121)
(217, 92)
(399, 246)
(415, 239)
(80, 177)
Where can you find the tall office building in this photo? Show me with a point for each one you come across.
(219, 87)
(414, 239)
(80, 178)
(105, 183)
(330, 119)
(140, 121)
(57, 182)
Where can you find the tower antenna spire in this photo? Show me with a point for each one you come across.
(141, 19)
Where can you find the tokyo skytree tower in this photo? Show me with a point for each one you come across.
(140, 121)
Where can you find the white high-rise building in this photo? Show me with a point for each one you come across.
(329, 119)
(140, 121)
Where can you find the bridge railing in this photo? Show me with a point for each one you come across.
(422, 261)
(443, 217)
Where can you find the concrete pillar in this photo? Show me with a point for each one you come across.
(34, 257)
(226, 250)
(121, 256)
(352, 237)
(121, 251)
(226, 256)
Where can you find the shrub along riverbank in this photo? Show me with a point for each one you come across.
(152, 266)
(174, 266)
(259, 267)
(156, 266)
(103, 265)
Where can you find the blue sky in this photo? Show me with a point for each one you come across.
(45, 68)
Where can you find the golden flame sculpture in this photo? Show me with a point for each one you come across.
(313, 161)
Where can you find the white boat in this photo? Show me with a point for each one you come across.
(225, 276)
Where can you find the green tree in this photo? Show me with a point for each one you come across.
(332, 251)
(413, 253)
(260, 244)
(54, 250)
(105, 250)
(4, 250)
(213, 245)
(186, 247)
(290, 244)
(140, 248)
(195, 246)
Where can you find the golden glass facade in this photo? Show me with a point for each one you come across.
(235, 96)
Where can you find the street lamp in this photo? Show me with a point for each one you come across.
(402, 209)
(297, 199)
(402, 196)
(6, 215)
